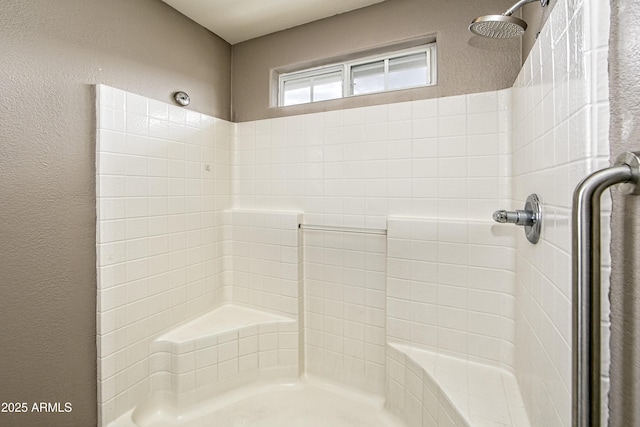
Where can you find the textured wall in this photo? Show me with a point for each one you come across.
(466, 63)
(52, 53)
(624, 86)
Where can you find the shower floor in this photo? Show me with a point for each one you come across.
(307, 403)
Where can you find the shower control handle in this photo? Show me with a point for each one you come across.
(518, 217)
(530, 218)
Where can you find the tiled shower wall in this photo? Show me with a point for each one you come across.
(444, 158)
(162, 234)
(162, 183)
(345, 309)
(455, 158)
(451, 288)
(266, 258)
(560, 127)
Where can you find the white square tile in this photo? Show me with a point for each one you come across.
(111, 186)
(452, 126)
(482, 102)
(111, 231)
(424, 128)
(111, 119)
(111, 164)
(137, 124)
(483, 123)
(111, 142)
(452, 105)
(136, 165)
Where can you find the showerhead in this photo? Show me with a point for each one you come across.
(498, 26)
(502, 26)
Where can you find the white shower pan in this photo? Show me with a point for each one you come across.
(309, 402)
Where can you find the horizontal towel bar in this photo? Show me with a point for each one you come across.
(338, 229)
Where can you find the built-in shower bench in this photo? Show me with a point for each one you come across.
(229, 346)
(432, 389)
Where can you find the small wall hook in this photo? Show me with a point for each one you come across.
(182, 98)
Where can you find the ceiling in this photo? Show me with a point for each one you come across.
(240, 20)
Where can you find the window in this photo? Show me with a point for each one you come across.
(393, 71)
(313, 86)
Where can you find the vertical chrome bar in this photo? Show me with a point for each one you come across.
(586, 286)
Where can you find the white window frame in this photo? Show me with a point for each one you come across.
(306, 74)
(347, 84)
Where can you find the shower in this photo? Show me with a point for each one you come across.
(502, 26)
(341, 267)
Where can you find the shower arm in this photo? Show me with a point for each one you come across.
(586, 283)
(521, 3)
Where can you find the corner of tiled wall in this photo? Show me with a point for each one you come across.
(451, 288)
(266, 260)
(162, 177)
(560, 127)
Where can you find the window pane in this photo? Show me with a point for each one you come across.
(296, 91)
(392, 71)
(328, 86)
(408, 71)
(367, 78)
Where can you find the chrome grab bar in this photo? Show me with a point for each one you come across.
(586, 283)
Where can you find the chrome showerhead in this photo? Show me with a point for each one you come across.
(502, 26)
(498, 26)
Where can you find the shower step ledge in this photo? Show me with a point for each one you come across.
(467, 393)
(229, 346)
(206, 329)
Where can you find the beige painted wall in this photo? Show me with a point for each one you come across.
(624, 135)
(51, 53)
(466, 63)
